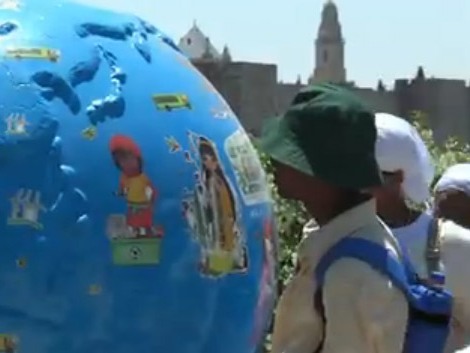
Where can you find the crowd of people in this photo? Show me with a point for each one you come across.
(384, 265)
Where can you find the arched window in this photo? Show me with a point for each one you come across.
(325, 56)
(188, 41)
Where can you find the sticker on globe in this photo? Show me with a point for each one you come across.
(48, 54)
(170, 102)
(134, 236)
(211, 211)
(16, 124)
(10, 5)
(8, 343)
(222, 112)
(172, 144)
(266, 297)
(26, 209)
(248, 170)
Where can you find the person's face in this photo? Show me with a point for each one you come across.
(288, 180)
(209, 162)
(390, 189)
(128, 162)
(453, 205)
(295, 185)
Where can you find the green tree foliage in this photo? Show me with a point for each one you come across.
(451, 152)
(291, 216)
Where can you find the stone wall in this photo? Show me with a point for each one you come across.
(254, 93)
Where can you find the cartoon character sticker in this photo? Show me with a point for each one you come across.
(135, 237)
(212, 214)
(248, 171)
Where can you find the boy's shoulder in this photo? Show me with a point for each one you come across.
(314, 245)
(379, 233)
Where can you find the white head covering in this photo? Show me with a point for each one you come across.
(400, 147)
(456, 177)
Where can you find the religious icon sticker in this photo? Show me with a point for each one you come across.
(211, 211)
(135, 239)
(248, 171)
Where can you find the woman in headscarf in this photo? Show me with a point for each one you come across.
(433, 244)
(452, 195)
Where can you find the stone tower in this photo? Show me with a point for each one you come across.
(329, 48)
(196, 45)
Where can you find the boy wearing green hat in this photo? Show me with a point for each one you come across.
(322, 150)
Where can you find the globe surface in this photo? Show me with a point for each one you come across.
(134, 211)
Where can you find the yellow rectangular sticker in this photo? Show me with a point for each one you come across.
(33, 53)
(171, 101)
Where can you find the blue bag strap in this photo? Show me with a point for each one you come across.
(375, 255)
(386, 262)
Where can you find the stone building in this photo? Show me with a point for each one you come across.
(255, 93)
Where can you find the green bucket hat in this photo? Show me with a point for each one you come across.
(329, 133)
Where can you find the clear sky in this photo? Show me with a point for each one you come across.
(384, 39)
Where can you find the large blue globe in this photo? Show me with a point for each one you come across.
(134, 213)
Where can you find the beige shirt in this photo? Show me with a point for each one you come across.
(365, 313)
(455, 252)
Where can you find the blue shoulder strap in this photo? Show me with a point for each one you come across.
(401, 274)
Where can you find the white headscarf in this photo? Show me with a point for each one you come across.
(456, 177)
(400, 147)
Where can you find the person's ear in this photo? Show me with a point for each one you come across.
(393, 178)
(398, 177)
